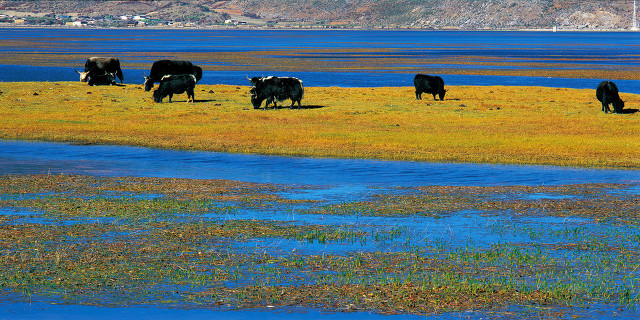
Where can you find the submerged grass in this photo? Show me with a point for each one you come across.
(595, 201)
(159, 253)
(493, 124)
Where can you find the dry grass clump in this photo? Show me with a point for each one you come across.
(488, 124)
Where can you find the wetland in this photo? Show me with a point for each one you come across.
(502, 251)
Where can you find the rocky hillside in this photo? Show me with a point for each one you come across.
(463, 14)
(437, 14)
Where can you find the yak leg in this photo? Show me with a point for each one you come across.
(418, 95)
(269, 100)
(434, 96)
(170, 96)
(605, 105)
(191, 95)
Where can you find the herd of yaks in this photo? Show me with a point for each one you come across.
(177, 77)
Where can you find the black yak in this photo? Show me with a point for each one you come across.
(429, 84)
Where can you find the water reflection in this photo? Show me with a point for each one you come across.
(17, 157)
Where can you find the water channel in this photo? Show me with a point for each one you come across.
(19, 157)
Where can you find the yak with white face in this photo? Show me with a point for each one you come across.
(275, 89)
(101, 66)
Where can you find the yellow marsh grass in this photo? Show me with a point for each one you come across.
(493, 124)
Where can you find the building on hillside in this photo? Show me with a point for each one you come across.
(235, 22)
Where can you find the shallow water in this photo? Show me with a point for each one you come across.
(38, 310)
(458, 230)
(17, 157)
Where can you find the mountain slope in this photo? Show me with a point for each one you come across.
(463, 14)
(458, 14)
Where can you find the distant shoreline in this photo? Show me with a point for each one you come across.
(4, 26)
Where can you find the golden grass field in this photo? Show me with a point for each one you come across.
(478, 124)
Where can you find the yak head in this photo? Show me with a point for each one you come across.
(441, 94)
(157, 97)
(618, 106)
(255, 80)
(83, 75)
(255, 100)
(148, 83)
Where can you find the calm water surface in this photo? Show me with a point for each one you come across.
(17, 157)
(572, 45)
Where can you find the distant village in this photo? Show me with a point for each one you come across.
(138, 21)
(180, 15)
(125, 20)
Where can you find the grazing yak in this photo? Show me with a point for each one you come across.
(429, 84)
(175, 84)
(100, 66)
(106, 79)
(275, 89)
(163, 68)
(607, 93)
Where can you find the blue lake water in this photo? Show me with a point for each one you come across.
(602, 44)
(595, 50)
(18, 157)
